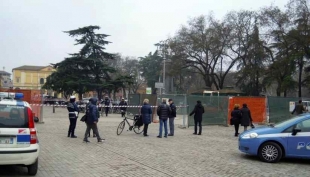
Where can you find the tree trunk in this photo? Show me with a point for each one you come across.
(278, 91)
(80, 96)
(257, 91)
(124, 93)
(300, 63)
(285, 93)
(99, 93)
(114, 95)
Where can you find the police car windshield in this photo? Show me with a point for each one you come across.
(13, 116)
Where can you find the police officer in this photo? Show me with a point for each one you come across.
(107, 105)
(123, 107)
(73, 115)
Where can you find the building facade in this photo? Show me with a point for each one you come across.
(31, 77)
(5, 79)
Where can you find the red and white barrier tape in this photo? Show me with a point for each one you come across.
(102, 106)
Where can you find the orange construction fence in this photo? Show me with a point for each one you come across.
(31, 96)
(257, 106)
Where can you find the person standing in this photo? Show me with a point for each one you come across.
(299, 108)
(236, 118)
(123, 107)
(87, 112)
(73, 115)
(172, 116)
(198, 111)
(246, 118)
(107, 105)
(163, 111)
(146, 113)
(92, 120)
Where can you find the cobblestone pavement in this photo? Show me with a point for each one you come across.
(215, 153)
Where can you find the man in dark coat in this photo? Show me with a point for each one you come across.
(163, 111)
(198, 111)
(172, 117)
(123, 107)
(246, 119)
(299, 108)
(92, 120)
(107, 105)
(73, 115)
(87, 112)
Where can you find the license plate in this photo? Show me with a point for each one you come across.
(6, 140)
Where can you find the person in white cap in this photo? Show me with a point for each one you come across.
(73, 115)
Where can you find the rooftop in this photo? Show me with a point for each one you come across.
(31, 68)
(4, 73)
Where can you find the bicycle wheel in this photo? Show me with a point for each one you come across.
(138, 130)
(120, 128)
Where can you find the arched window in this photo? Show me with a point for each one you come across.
(42, 81)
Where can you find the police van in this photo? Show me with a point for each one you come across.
(19, 144)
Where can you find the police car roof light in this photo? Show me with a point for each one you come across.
(19, 95)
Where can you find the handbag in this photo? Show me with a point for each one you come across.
(83, 119)
(231, 121)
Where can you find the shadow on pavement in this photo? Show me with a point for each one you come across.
(13, 171)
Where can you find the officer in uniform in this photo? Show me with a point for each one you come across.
(73, 115)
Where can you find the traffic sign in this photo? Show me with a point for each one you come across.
(159, 85)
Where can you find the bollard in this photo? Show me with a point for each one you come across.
(53, 108)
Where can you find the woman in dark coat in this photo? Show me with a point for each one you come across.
(246, 117)
(236, 117)
(198, 111)
(146, 112)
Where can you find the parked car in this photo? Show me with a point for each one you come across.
(19, 144)
(274, 142)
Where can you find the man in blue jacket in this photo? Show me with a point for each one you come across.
(73, 115)
(92, 120)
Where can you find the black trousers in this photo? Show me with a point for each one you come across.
(236, 128)
(72, 126)
(198, 123)
(123, 113)
(89, 132)
(107, 111)
(95, 130)
(146, 126)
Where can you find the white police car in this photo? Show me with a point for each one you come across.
(18, 135)
(290, 138)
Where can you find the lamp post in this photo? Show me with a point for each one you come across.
(163, 48)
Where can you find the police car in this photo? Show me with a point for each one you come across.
(18, 136)
(290, 138)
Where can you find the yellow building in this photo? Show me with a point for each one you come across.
(31, 77)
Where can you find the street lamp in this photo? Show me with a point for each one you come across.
(163, 48)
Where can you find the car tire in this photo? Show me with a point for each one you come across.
(270, 152)
(33, 168)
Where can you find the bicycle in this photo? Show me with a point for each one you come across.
(134, 127)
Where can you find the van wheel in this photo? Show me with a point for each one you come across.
(33, 168)
(270, 152)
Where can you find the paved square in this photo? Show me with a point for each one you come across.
(215, 153)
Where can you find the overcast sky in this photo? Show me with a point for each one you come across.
(32, 30)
